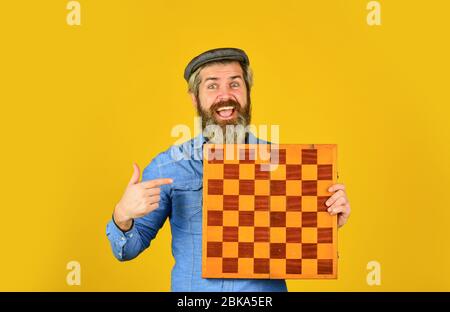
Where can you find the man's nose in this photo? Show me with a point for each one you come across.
(224, 98)
(224, 94)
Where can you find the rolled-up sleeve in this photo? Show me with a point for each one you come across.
(128, 245)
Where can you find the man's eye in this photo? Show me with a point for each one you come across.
(212, 86)
(234, 84)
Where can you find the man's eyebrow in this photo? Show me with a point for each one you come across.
(230, 78)
(211, 78)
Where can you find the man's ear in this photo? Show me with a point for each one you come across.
(194, 99)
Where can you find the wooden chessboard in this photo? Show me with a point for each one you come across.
(264, 213)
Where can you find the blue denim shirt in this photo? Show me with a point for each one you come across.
(181, 201)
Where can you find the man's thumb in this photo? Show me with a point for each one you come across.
(136, 174)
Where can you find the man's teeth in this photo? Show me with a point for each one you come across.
(225, 113)
(225, 108)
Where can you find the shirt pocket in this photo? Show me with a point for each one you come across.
(187, 200)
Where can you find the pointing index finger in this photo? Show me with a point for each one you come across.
(157, 182)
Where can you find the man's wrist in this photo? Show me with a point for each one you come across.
(123, 223)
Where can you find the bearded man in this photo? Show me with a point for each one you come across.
(219, 82)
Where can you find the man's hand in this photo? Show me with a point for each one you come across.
(139, 199)
(338, 203)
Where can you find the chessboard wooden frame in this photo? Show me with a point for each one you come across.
(299, 261)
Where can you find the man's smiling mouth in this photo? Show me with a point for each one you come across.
(226, 112)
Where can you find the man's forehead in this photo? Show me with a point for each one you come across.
(219, 70)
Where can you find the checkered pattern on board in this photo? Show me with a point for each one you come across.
(264, 213)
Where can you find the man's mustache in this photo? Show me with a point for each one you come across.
(229, 102)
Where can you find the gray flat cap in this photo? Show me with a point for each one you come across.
(215, 55)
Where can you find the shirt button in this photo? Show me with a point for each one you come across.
(131, 235)
(123, 238)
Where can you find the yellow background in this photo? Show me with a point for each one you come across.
(79, 104)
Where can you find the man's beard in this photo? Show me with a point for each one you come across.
(225, 131)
